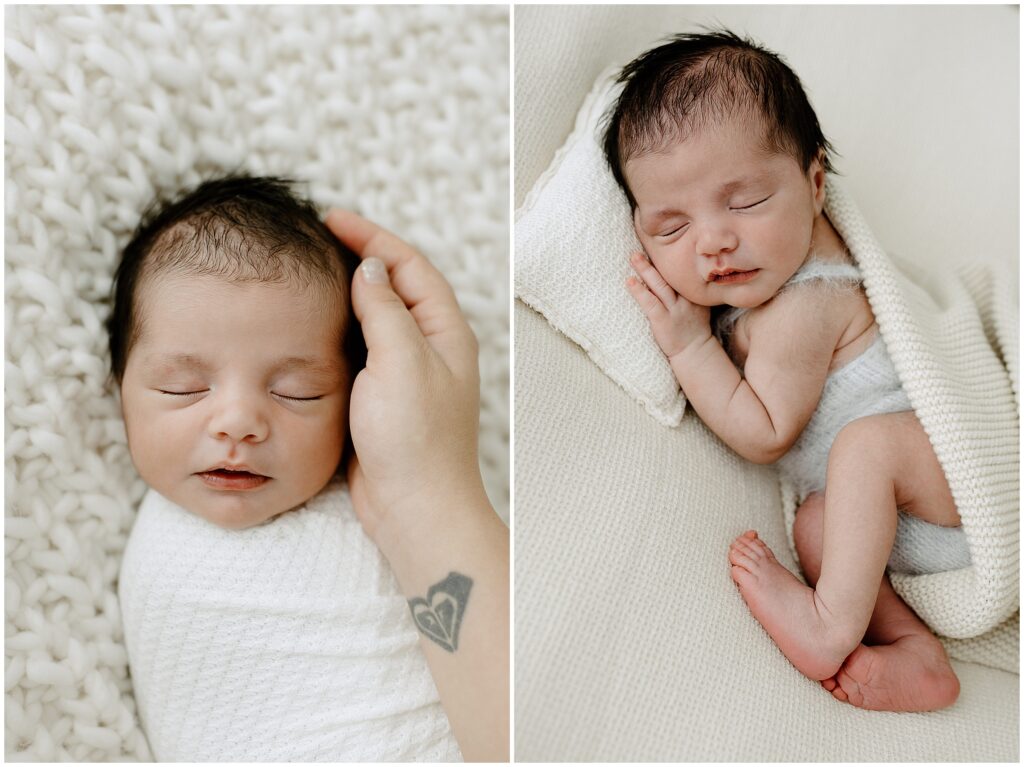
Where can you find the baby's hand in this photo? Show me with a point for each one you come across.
(676, 322)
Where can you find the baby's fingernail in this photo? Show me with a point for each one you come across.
(374, 271)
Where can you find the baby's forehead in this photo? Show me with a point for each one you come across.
(184, 284)
(194, 303)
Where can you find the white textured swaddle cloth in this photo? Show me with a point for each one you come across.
(286, 642)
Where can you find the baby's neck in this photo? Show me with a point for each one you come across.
(826, 244)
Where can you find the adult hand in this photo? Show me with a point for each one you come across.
(414, 411)
(415, 481)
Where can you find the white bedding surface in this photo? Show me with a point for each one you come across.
(637, 646)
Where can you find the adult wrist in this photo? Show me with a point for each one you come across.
(437, 512)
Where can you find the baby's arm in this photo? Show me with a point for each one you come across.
(759, 413)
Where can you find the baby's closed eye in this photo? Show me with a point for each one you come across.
(187, 394)
(298, 399)
(196, 393)
(750, 205)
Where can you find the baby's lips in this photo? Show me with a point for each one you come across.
(237, 468)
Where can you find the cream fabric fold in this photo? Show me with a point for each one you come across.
(953, 340)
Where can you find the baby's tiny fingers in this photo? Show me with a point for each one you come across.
(648, 301)
(652, 277)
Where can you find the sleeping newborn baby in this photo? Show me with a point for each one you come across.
(722, 159)
(260, 621)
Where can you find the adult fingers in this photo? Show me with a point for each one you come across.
(386, 322)
(423, 288)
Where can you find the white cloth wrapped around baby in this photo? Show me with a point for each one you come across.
(289, 641)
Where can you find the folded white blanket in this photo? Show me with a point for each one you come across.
(953, 339)
(289, 641)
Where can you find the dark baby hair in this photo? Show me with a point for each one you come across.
(695, 79)
(241, 228)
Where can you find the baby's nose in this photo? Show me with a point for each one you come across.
(715, 239)
(240, 419)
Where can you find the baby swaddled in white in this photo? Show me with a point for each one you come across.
(288, 641)
(262, 624)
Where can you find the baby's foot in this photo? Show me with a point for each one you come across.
(911, 674)
(814, 641)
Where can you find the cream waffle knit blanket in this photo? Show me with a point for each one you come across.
(953, 340)
(286, 642)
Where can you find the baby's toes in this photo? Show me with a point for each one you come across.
(751, 547)
(742, 541)
(740, 555)
(838, 693)
(759, 549)
(737, 558)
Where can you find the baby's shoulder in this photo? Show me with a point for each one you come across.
(810, 302)
(808, 317)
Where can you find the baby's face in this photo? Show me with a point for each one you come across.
(235, 375)
(718, 203)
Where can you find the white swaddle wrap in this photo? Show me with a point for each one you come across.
(289, 641)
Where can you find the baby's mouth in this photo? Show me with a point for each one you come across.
(732, 275)
(232, 479)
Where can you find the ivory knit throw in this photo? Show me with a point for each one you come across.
(286, 642)
(953, 340)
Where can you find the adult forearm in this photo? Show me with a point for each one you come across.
(725, 401)
(453, 566)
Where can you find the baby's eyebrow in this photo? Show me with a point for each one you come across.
(312, 364)
(657, 217)
(195, 362)
(759, 178)
(733, 186)
(178, 360)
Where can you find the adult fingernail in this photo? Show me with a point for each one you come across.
(374, 271)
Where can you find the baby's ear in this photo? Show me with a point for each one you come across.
(816, 174)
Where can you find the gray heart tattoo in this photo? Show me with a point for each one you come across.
(439, 616)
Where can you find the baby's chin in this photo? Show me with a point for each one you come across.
(233, 510)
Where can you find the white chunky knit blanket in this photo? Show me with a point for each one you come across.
(953, 340)
(398, 112)
(286, 642)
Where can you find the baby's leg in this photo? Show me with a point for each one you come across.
(901, 666)
(876, 463)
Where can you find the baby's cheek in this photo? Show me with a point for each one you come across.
(332, 431)
(142, 447)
